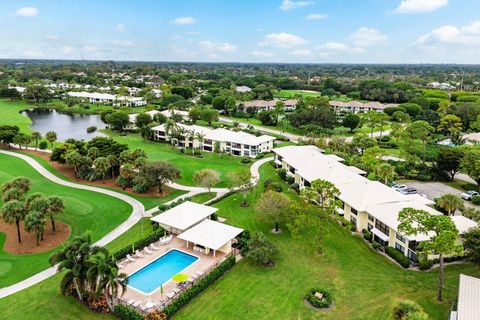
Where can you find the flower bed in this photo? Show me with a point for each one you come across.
(319, 298)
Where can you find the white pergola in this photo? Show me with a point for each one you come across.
(212, 235)
(183, 216)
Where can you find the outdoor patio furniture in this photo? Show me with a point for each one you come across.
(148, 251)
(199, 274)
(176, 290)
(170, 295)
(130, 302)
(153, 247)
(138, 254)
(129, 258)
(136, 304)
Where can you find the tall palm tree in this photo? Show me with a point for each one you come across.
(35, 222)
(191, 137)
(200, 136)
(114, 163)
(75, 258)
(36, 136)
(55, 206)
(103, 276)
(386, 172)
(14, 211)
(102, 165)
(450, 203)
(236, 126)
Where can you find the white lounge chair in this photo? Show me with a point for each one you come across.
(153, 247)
(129, 258)
(136, 304)
(170, 295)
(138, 254)
(147, 250)
(199, 274)
(130, 302)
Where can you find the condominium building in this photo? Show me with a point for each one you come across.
(214, 140)
(265, 105)
(366, 204)
(359, 107)
(108, 99)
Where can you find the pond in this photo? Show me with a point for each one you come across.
(65, 125)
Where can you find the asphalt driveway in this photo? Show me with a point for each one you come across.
(435, 189)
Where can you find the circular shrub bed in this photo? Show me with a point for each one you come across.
(319, 298)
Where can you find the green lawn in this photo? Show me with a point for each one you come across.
(187, 164)
(365, 284)
(10, 114)
(294, 93)
(140, 230)
(203, 197)
(84, 211)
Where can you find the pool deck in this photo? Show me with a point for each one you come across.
(203, 265)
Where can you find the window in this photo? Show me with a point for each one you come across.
(246, 153)
(369, 227)
(353, 210)
(207, 141)
(382, 227)
(371, 218)
(353, 220)
(399, 247)
(401, 238)
(236, 145)
(229, 143)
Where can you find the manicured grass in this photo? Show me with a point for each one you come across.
(84, 211)
(10, 114)
(203, 197)
(140, 230)
(92, 108)
(365, 284)
(187, 164)
(294, 93)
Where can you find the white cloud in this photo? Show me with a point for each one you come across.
(335, 46)
(122, 43)
(316, 16)
(52, 37)
(300, 53)
(89, 48)
(68, 50)
(289, 5)
(33, 54)
(120, 27)
(418, 6)
(365, 37)
(26, 12)
(222, 46)
(448, 34)
(282, 40)
(181, 21)
(262, 54)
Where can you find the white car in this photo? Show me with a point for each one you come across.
(469, 195)
(398, 187)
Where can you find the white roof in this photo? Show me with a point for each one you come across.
(169, 113)
(184, 215)
(133, 116)
(468, 305)
(211, 234)
(463, 224)
(474, 136)
(243, 89)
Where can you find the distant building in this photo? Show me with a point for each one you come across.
(265, 105)
(359, 107)
(441, 85)
(243, 89)
(235, 143)
(108, 99)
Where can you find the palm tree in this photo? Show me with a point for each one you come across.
(127, 172)
(103, 276)
(386, 172)
(102, 165)
(35, 222)
(36, 136)
(75, 259)
(191, 136)
(450, 203)
(200, 136)
(55, 206)
(114, 163)
(236, 126)
(146, 132)
(14, 211)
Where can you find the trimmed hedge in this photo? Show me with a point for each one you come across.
(199, 287)
(165, 207)
(398, 256)
(326, 300)
(425, 264)
(126, 313)
(122, 253)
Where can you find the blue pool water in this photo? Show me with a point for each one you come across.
(153, 275)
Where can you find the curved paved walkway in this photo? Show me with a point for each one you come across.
(137, 213)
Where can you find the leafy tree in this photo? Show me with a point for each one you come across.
(143, 119)
(362, 141)
(36, 136)
(146, 132)
(322, 193)
(75, 259)
(471, 243)
(22, 139)
(51, 137)
(73, 158)
(118, 120)
(450, 203)
(351, 121)
(43, 145)
(157, 174)
(13, 211)
(419, 130)
(305, 220)
(127, 172)
(443, 240)
(387, 172)
(471, 213)
(209, 115)
(93, 153)
(273, 205)
(218, 103)
(370, 119)
(206, 178)
(35, 222)
(470, 163)
(102, 165)
(7, 133)
(241, 181)
(448, 160)
(450, 125)
(195, 114)
(261, 250)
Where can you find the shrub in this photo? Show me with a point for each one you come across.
(295, 187)
(476, 200)
(398, 256)
(367, 235)
(141, 187)
(425, 264)
(122, 253)
(260, 156)
(156, 315)
(273, 185)
(404, 308)
(376, 245)
(246, 160)
(91, 129)
(243, 242)
(324, 302)
(126, 313)
(290, 179)
(42, 145)
(199, 287)
(165, 207)
(282, 173)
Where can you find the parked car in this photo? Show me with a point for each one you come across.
(408, 191)
(398, 187)
(469, 195)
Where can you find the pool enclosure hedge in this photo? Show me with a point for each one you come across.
(139, 244)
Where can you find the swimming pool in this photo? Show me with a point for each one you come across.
(156, 273)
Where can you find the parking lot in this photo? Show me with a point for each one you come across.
(435, 189)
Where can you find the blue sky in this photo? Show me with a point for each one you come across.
(320, 31)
